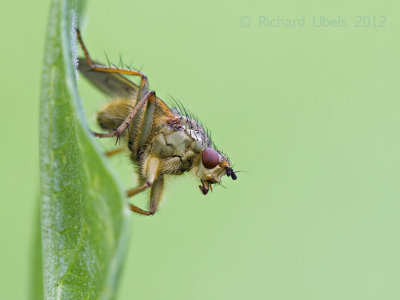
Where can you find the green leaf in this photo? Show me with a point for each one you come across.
(84, 214)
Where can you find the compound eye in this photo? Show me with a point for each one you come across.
(210, 158)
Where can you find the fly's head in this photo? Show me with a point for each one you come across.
(211, 166)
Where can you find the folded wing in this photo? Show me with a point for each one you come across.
(112, 84)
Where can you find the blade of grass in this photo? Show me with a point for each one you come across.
(84, 217)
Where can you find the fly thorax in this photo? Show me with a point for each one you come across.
(170, 141)
(195, 130)
(176, 148)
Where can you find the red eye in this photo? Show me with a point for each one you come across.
(210, 158)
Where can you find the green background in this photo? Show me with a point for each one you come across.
(309, 114)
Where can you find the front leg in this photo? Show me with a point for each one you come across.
(155, 197)
(151, 169)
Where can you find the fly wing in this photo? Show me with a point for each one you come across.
(112, 84)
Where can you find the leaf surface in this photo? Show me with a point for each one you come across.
(84, 216)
